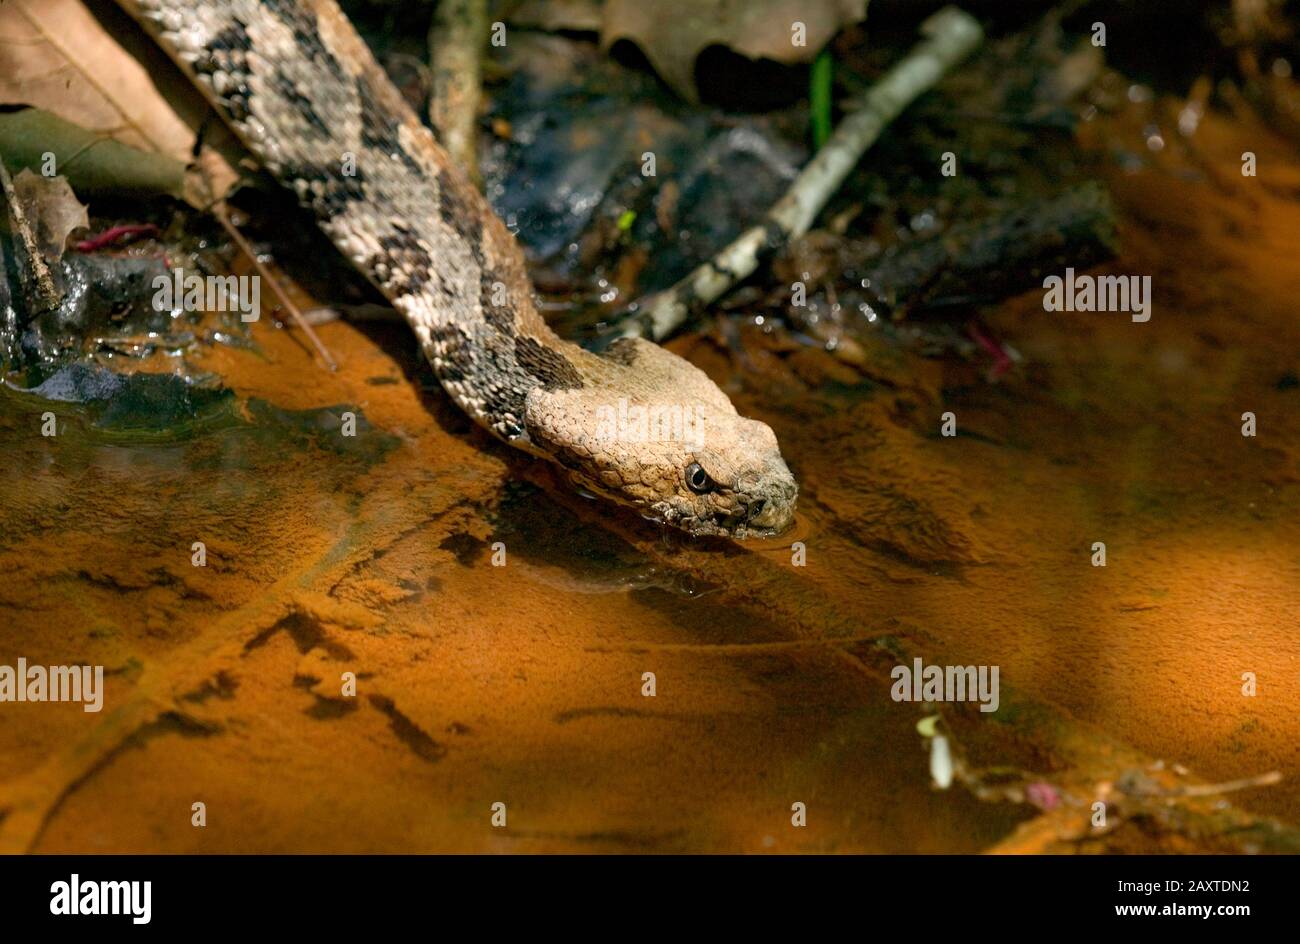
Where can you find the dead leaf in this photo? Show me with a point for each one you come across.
(672, 33)
(555, 15)
(88, 63)
(53, 209)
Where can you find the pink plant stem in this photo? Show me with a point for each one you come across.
(1001, 362)
(116, 234)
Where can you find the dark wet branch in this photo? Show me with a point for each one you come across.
(42, 293)
(997, 256)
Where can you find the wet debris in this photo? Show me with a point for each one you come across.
(973, 262)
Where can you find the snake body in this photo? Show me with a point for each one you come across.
(302, 91)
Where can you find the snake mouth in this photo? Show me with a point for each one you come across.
(729, 528)
(758, 519)
(755, 526)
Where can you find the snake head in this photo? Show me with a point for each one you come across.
(734, 483)
(662, 439)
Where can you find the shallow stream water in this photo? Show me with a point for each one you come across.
(523, 683)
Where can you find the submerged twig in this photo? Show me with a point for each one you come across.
(219, 212)
(456, 42)
(951, 35)
(1231, 786)
(43, 289)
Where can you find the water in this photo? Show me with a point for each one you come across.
(523, 683)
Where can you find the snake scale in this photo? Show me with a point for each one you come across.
(302, 91)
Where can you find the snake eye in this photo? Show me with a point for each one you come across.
(697, 479)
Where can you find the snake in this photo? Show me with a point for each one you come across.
(633, 424)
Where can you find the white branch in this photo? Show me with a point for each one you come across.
(951, 35)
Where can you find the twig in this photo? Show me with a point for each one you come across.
(456, 42)
(1231, 786)
(819, 98)
(951, 36)
(219, 211)
(46, 295)
(736, 649)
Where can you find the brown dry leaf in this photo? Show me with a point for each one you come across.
(672, 33)
(53, 209)
(89, 64)
(554, 15)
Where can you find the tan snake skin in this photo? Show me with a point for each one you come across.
(635, 424)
